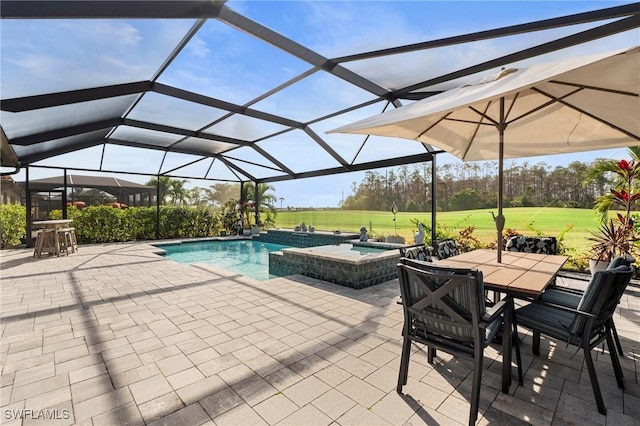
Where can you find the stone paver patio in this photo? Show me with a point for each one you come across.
(115, 335)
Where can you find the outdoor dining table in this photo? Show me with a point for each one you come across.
(50, 226)
(520, 274)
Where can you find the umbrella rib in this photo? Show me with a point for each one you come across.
(433, 125)
(483, 115)
(588, 114)
(544, 105)
(478, 124)
(600, 89)
(513, 104)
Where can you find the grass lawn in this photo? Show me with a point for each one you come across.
(550, 221)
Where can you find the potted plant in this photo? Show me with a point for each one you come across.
(616, 236)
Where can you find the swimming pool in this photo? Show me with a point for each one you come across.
(351, 265)
(246, 257)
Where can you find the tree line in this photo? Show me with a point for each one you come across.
(474, 185)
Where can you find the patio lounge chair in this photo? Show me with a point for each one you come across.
(570, 297)
(444, 309)
(584, 326)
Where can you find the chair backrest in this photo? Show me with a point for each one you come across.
(601, 297)
(620, 261)
(541, 245)
(447, 248)
(417, 252)
(441, 301)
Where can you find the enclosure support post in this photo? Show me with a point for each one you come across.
(64, 194)
(434, 178)
(158, 207)
(28, 231)
(256, 207)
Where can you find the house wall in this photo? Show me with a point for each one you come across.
(10, 192)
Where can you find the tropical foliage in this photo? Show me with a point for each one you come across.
(172, 191)
(617, 236)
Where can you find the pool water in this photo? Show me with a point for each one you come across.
(246, 257)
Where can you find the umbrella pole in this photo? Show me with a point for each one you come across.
(500, 218)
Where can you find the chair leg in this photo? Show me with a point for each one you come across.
(536, 342)
(594, 379)
(617, 339)
(615, 361)
(403, 374)
(475, 387)
(431, 354)
(507, 340)
(516, 343)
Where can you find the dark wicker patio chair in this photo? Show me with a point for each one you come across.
(584, 326)
(542, 245)
(417, 252)
(570, 297)
(444, 309)
(446, 249)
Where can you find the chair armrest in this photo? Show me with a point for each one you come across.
(577, 278)
(567, 289)
(495, 311)
(564, 308)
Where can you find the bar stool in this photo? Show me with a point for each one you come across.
(66, 237)
(74, 240)
(37, 249)
(45, 241)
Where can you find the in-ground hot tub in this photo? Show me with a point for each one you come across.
(350, 265)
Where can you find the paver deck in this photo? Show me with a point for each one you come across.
(115, 334)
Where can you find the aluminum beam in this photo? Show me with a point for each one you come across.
(545, 24)
(372, 165)
(29, 103)
(552, 46)
(139, 9)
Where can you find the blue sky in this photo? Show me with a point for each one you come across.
(222, 64)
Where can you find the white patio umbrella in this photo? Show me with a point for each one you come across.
(579, 104)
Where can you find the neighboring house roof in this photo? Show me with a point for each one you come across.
(114, 186)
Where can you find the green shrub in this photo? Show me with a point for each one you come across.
(104, 224)
(13, 222)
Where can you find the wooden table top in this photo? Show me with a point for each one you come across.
(53, 222)
(519, 274)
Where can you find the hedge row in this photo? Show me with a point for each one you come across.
(104, 224)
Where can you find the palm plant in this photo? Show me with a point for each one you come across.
(179, 194)
(616, 236)
(165, 184)
(265, 202)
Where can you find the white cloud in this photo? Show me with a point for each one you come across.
(198, 47)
